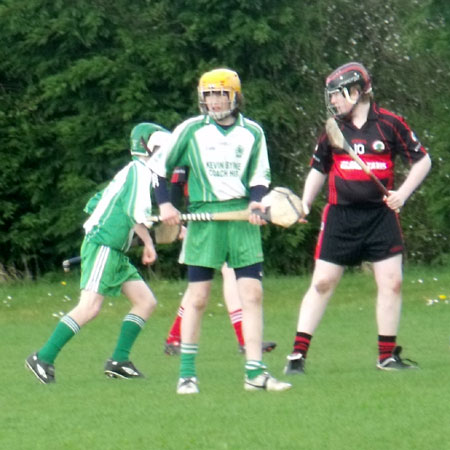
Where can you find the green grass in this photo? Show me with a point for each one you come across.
(342, 402)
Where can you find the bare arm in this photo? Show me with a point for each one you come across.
(149, 254)
(313, 184)
(396, 199)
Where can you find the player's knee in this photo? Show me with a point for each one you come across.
(149, 304)
(199, 301)
(397, 287)
(394, 286)
(146, 304)
(252, 295)
(88, 307)
(324, 286)
(252, 301)
(85, 314)
(390, 285)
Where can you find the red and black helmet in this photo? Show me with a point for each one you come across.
(342, 79)
(350, 74)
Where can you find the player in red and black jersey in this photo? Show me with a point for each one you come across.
(359, 223)
(378, 142)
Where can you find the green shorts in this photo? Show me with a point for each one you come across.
(104, 270)
(210, 244)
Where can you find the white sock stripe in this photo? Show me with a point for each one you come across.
(253, 365)
(97, 270)
(236, 316)
(67, 320)
(134, 318)
(189, 348)
(180, 311)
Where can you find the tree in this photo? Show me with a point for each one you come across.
(75, 77)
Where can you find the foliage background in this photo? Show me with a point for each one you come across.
(76, 76)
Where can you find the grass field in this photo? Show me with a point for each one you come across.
(342, 403)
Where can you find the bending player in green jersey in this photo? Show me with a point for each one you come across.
(228, 170)
(116, 214)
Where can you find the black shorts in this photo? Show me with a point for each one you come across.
(198, 273)
(350, 235)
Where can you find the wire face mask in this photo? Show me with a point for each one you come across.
(220, 82)
(341, 80)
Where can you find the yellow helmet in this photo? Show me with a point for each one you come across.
(220, 80)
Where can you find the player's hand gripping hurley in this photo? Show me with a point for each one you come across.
(284, 208)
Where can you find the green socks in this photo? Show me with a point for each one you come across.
(64, 331)
(131, 327)
(67, 328)
(188, 354)
(254, 368)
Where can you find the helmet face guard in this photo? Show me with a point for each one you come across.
(341, 80)
(140, 138)
(332, 109)
(221, 81)
(157, 140)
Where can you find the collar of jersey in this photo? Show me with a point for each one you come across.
(238, 122)
(373, 115)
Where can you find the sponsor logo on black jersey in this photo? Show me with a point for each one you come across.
(378, 146)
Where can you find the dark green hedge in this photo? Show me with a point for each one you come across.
(76, 76)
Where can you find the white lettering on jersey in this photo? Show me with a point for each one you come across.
(353, 165)
(223, 168)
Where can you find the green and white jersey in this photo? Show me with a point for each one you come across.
(122, 204)
(224, 163)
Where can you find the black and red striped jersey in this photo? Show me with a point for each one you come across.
(179, 186)
(378, 142)
(180, 175)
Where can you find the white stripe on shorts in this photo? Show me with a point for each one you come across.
(97, 271)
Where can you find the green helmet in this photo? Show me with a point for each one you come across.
(139, 138)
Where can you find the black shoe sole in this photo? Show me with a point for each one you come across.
(172, 351)
(269, 348)
(30, 368)
(111, 374)
(265, 349)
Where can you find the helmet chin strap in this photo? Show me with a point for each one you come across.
(219, 115)
(348, 98)
(351, 101)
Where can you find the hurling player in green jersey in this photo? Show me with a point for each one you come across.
(116, 214)
(228, 170)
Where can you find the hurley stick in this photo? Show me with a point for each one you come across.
(283, 208)
(338, 140)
